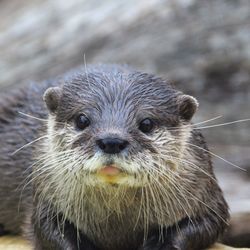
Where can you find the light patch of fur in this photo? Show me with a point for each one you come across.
(150, 193)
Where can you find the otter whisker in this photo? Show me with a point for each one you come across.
(32, 176)
(157, 207)
(162, 172)
(165, 198)
(147, 215)
(190, 164)
(209, 207)
(140, 209)
(184, 127)
(209, 120)
(211, 153)
(224, 124)
(29, 143)
(153, 175)
(39, 119)
(47, 164)
(169, 201)
(31, 116)
(173, 182)
(198, 123)
(155, 204)
(85, 68)
(223, 159)
(46, 189)
(200, 201)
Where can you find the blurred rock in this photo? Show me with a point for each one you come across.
(201, 46)
(224, 247)
(13, 243)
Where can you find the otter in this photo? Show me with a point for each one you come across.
(106, 157)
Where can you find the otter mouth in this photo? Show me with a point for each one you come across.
(110, 170)
(111, 173)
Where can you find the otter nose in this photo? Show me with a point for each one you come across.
(112, 145)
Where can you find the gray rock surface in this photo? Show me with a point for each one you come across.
(203, 47)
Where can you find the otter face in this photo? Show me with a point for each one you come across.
(118, 128)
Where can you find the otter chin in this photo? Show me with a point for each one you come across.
(119, 164)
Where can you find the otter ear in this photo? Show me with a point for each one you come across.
(52, 97)
(187, 106)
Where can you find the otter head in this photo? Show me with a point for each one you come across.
(116, 128)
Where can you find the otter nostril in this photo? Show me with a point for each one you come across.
(112, 145)
(123, 145)
(100, 144)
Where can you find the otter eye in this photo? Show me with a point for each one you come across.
(82, 121)
(146, 125)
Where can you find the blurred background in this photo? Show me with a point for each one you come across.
(202, 47)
